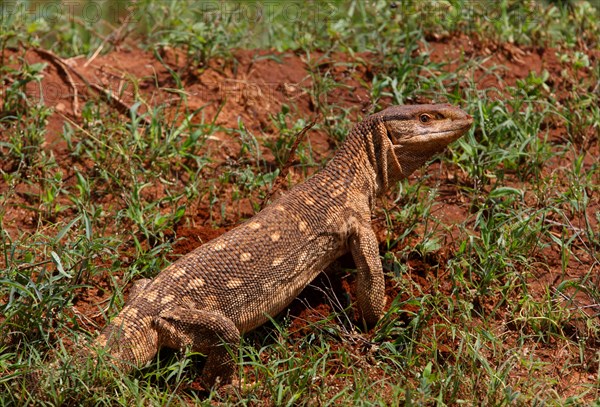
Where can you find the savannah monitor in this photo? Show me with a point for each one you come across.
(234, 283)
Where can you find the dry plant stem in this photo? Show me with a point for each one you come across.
(110, 98)
(116, 37)
(62, 65)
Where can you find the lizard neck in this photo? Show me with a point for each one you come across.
(367, 159)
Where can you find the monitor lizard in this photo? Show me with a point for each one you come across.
(206, 299)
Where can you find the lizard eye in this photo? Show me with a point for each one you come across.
(424, 118)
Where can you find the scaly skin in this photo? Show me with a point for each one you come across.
(231, 284)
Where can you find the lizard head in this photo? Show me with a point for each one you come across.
(417, 132)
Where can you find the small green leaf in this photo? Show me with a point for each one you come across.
(505, 191)
(59, 266)
(64, 230)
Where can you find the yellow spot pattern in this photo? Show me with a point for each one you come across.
(197, 282)
(219, 246)
(167, 299)
(234, 283)
(302, 226)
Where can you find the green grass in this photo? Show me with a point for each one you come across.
(500, 307)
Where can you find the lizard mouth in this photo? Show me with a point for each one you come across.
(447, 136)
(429, 136)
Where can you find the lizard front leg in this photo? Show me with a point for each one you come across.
(370, 285)
(209, 333)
